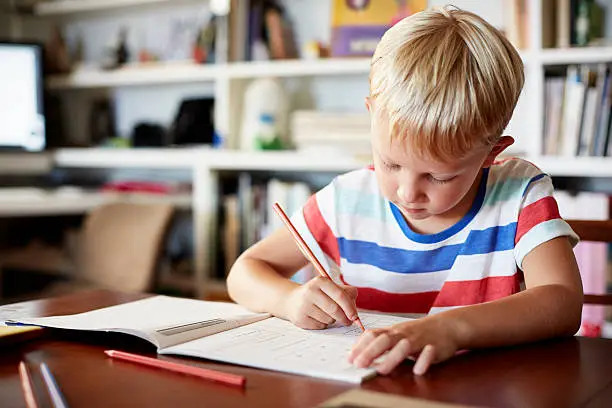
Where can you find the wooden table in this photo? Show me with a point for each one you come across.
(561, 373)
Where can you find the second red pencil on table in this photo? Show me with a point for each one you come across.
(211, 375)
(306, 249)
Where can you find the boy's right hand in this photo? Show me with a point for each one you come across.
(320, 302)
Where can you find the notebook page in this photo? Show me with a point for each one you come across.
(278, 345)
(162, 320)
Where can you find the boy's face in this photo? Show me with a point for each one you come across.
(423, 188)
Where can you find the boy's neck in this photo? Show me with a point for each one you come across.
(441, 222)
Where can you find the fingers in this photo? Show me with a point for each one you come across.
(374, 345)
(398, 354)
(343, 308)
(351, 292)
(319, 315)
(425, 360)
(309, 323)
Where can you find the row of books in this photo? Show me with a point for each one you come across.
(248, 215)
(565, 23)
(347, 132)
(577, 113)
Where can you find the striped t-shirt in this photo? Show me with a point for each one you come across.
(364, 241)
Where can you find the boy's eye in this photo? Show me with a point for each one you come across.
(391, 166)
(438, 180)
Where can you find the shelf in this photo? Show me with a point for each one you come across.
(297, 68)
(574, 166)
(185, 72)
(136, 74)
(281, 161)
(576, 55)
(154, 158)
(60, 7)
(45, 203)
(25, 163)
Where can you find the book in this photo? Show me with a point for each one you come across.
(229, 333)
(357, 26)
(12, 335)
(373, 399)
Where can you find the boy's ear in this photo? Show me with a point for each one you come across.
(368, 103)
(502, 144)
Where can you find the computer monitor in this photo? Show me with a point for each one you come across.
(22, 116)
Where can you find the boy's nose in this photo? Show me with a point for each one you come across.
(408, 194)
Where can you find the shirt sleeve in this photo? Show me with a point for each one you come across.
(539, 220)
(315, 222)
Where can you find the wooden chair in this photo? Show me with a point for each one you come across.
(118, 248)
(594, 231)
(121, 245)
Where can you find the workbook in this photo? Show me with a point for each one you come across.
(229, 333)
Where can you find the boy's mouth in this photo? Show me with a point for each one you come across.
(413, 210)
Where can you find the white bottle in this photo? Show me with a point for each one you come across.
(264, 98)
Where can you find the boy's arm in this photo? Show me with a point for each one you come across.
(551, 306)
(259, 279)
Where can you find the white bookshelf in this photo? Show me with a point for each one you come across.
(585, 55)
(281, 161)
(300, 68)
(47, 203)
(64, 7)
(559, 166)
(162, 158)
(137, 74)
(25, 163)
(229, 81)
(187, 72)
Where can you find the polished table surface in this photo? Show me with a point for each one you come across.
(574, 372)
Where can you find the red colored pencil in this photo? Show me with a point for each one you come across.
(26, 385)
(306, 250)
(207, 374)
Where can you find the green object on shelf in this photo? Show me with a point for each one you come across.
(267, 137)
(589, 22)
(117, 142)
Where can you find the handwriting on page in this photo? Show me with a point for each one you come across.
(280, 343)
(369, 320)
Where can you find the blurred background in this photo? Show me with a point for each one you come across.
(142, 142)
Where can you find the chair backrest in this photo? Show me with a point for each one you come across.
(594, 231)
(121, 245)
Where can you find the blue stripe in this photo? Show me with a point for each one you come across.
(411, 261)
(533, 180)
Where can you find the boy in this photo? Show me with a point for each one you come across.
(437, 222)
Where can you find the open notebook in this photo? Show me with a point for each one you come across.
(230, 333)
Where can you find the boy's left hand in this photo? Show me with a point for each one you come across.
(428, 340)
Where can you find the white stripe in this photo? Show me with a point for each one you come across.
(435, 310)
(362, 180)
(480, 266)
(537, 190)
(327, 205)
(300, 225)
(369, 276)
(542, 232)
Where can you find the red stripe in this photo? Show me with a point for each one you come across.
(542, 210)
(498, 162)
(320, 229)
(463, 293)
(373, 299)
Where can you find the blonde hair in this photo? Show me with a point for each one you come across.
(448, 81)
